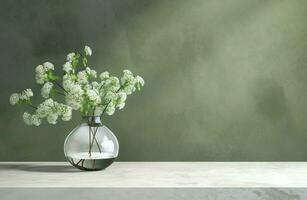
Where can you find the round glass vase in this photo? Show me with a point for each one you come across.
(91, 145)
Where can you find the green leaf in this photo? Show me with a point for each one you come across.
(75, 61)
(52, 92)
(74, 76)
(51, 76)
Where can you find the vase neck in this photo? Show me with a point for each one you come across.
(92, 120)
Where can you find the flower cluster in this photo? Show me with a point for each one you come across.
(44, 72)
(23, 97)
(46, 89)
(82, 88)
(115, 92)
(49, 109)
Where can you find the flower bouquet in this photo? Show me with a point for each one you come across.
(91, 145)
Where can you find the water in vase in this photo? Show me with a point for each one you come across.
(95, 161)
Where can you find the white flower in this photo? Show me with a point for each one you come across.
(140, 80)
(111, 84)
(120, 106)
(68, 82)
(67, 114)
(73, 101)
(87, 86)
(110, 96)
(14, 99)
(88, 51)
(35, 120)
(98, 111)
(110, 109)
(128, 82)
(48, 66)
(40, 75)
(27, 118)
(70, 57)
(26, 95)
(95, 85)
(104, 75)
(76, 89)
(41, 72)
(115, 83)
(129, 89)
(31, 119)
(93, 96)
(46, 89)
(23, 97)
(127, 71)
(67, 67)
(122, 96)
(82, 91)
(45, 108)
(74, 97)
(52, 118)
(64, 110)
(82, 77)
(92, 73)
(40, 69)
(51, 110)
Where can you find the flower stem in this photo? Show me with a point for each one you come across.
(32, 106)
(58, 92)
(105, 108)
(60, 86)
(89, 140)
(93, 132)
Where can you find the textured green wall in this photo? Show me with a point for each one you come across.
(225, 80)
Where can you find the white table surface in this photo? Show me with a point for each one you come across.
(156, 175)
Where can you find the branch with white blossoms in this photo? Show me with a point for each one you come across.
(82, 89)
(23, 97)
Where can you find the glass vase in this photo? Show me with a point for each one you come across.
(91, 145)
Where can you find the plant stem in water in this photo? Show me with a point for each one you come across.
(94, 139)
(89, 140)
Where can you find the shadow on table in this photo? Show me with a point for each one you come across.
(41, 168)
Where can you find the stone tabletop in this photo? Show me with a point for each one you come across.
(156, 175)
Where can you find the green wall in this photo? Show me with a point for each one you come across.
(225, 80)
